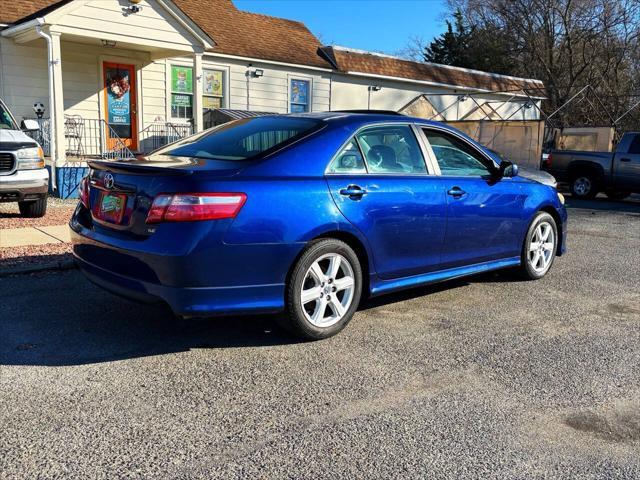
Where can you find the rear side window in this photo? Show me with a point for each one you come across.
(391, 149)
(349, 160)
(243, 139)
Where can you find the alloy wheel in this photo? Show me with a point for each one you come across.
(327, 290)
(541, 247)
(582, 186)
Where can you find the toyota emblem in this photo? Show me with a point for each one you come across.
(108, 181)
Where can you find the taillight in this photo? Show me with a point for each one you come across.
(547, 162)
(191, 207)
(84, 191)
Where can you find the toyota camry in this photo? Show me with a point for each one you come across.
(307, 214)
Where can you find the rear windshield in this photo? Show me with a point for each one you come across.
(243, 139)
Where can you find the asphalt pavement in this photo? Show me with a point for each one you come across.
(486, 377)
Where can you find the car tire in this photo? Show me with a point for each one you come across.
(33, 209)
(617, 195)
(537, 255)
(320, 301)
(584, 185)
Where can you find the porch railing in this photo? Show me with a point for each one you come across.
(84, 138)
(93, 138)
(159, 134)
(87, 138)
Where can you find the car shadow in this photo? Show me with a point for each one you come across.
(602, 203)
(68, 327)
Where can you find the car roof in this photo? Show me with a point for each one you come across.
(363, 117)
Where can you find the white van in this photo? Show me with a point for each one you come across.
(23, 177)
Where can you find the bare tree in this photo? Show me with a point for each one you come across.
(569, 44)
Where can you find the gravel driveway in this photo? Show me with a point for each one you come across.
(487, 377)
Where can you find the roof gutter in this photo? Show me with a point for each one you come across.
(435, 84)
(21, 27)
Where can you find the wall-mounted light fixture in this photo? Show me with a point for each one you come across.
(528, 105)
(108, 43)
(134, 7)
(462, 98)
(372, 88)
(256, 72)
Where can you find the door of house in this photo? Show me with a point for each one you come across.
(120, 105)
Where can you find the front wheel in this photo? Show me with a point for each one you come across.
(540, 246)
(323, 291)
(33, 209)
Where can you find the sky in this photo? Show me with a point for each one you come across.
(376, 25)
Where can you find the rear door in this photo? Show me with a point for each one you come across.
(380, 182)
(484, 215)
(627, 165)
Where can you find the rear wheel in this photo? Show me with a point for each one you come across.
(324, 290)
(33, 209)
(540, 246)
(584, 185)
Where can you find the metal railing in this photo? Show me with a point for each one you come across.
(93, 138)
(84, 138)
(159, 134)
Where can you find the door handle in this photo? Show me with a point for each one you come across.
(456, 192)
(353, 191)
(625, 159)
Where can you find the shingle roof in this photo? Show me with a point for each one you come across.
(17, 10)
(253, 35)
(234, 31)
(348, 60)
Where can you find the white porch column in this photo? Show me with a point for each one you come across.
(58, 100)
(198, 109)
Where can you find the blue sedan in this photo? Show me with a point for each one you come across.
(307, 214)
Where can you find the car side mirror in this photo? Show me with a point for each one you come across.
(30, 125)
(508, 169)
(348, 161)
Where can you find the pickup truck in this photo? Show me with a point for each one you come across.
(615, 173)
(23, 176)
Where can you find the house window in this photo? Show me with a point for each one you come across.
(299, 92)
(213, 89)
(181, 92)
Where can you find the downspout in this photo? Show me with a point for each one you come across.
(53, 147)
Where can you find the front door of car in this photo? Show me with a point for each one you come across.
(484, 214)
(391, 199)
(627, 167)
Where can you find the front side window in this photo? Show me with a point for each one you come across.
(243, 139)
(181, 92)
(455, 157)
(349, 160)
(391, 149)
(299, 96)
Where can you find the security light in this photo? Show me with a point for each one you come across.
(374, 88)
(258, 72)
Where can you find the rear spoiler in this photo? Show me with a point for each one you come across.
(142, 166)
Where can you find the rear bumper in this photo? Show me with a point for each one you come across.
(196, 275)
(24, 185)
(200, 301)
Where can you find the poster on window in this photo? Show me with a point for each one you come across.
(181, 79)
(180, 100)
(209, 103)
(213, 82)
(300, 92)
(119, 100)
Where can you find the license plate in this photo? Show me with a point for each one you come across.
(111, 207)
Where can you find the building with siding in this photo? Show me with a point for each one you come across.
(124, 76)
